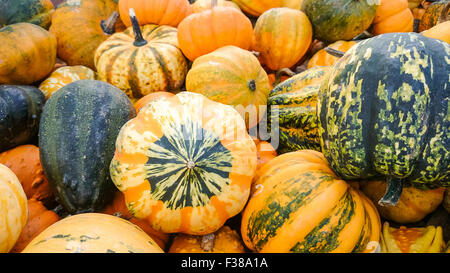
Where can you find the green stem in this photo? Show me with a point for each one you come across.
(393, 192)
(138, 38)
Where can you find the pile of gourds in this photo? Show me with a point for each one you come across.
(225, 126)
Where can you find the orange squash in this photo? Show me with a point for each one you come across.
(39, 218)
(322, 58)
(202, 5)
(24, 161)
(158, 12)
(225, 240)
(118, 208)
(392, 16)
(150, 97)
(203, 32)
(266, 152)
(440, 31)
(413, 206)
(282, 37)
(257, 7)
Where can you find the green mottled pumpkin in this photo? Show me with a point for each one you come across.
(77, 135)
(38, 12)
(335, 20)
(433, 13)
(383, 111)
(296, 114)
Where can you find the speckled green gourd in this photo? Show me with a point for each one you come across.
(384, 111)
(296, 100)
(36, 12)
(77, 137)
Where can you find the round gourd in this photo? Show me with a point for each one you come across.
(413, 206)
(435, 13)
(77, 133)
(25, 163)
(13, 209)
(292, 111)
(299, 205)
(232, 76)
(28, 53)
(92, 233)
(21, 108)
(282, 37)
(157, 12)
(323, 58)
(150, 97)
(202, 5)
(393, 16)
(39, 218)
(142, 61)
(185, 164)
(206, 31)
(335, 20)
(396, 124)
(225, 240)
(63, 76)
(80, 26)
(257, 7)
(440, 31)
(38, 12)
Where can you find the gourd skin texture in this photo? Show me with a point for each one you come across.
(202, 5)
(440, 31)
(20, 111)
(389, 120)
(432, 14)
(77, 135)
(257, 7)
(36, 12)
(393, 16)
(322, 58)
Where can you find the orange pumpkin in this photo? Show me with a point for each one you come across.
(150, 97)
(225, 240)
(257, 7)
(440, 31)
(158, 12)
(39, 218)
(282, 37)
(323, 58)
(266, 152)
(118, 208)
(202, 5)
(392, 16)
(203, 32)
(25, 163)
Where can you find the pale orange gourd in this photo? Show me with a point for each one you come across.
(393, 16)
(440, 31)
(150, 97)
(202, 5)
(322, 58)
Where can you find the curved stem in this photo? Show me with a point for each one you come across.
(109, 25)
(207, 242)
(138, 38)
(334, 52)
(280, 73)
(393, 192)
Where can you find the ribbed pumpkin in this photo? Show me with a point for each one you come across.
(92, 233)
(233, 76)
(440, 31)
(299, 205)
(392, 16)
(39, 218)
(335, 20)
(28, 53)
(295, 118)
(206, 31)
(323, 58)
(185, 164)
(150, 97)
(257, 7)
(78, 29)
(36, 12)
(142, 61)
(118, 208)
(282, 37)
(157, 12)
(225, 240)
(357, 106)
(25, 163)
(13, 209)
(21, 107)
(438, 11)
(265, 152)
(63, 76)
(413, 206)
(411, 240)
(202, 5)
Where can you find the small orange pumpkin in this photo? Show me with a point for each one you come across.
(202, 5)
(440, 31)
(203, 32)
(225, 240)
(39, 218)
(150, 97)
(393, 16)
(25, 163)
(323, 58)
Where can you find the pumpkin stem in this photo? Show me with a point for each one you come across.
(109, 25)
(207, 243)
(280, 73)
(334, 52)
(138, 38)
(363, 36)
(252, 85)
(393, 192)
(213, 4)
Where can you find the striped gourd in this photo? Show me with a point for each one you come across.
(299, 205)
(296, 100)
(185, 164)
(384, 111)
